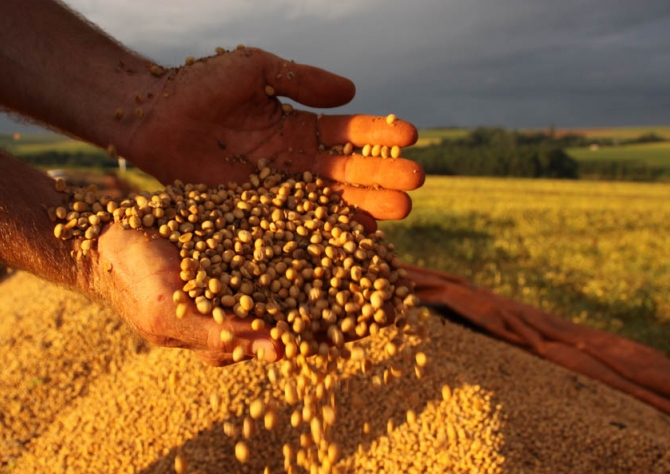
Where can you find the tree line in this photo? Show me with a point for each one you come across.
(500, 152)
(482, 152)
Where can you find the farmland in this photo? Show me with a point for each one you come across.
(592, 252)
(651, 153)
(595, 253)
(619, 133)
(431, 136)
(435, 135)
(625, 153)
(42, 143)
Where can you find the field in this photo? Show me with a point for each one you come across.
(620, 133)
(656, 154)
(595, 253)
(41, 143)
(82, 393)
(436, 135)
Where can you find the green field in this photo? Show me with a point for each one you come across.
(620, 133)
(651, 153)
(40, 143)
(593, 252)
(436, 135)
(655, 154)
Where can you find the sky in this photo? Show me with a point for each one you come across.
(509, 63)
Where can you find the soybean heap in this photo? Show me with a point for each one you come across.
(287, 254)
(84, 394)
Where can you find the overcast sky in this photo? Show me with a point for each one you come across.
(513, 63)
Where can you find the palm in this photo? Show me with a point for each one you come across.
(217, 121)
(138, 279)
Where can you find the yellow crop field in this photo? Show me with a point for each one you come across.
(597, 253)
(620, 133)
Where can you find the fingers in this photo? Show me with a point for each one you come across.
(381, 204)
(203, 335)
(394, 173)
(308, 85)
(361, 130)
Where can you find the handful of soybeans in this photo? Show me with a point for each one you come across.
(286, 253)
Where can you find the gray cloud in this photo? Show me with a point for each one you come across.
(516, 63)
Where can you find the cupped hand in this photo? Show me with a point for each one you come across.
(138, 274)
(213, 120)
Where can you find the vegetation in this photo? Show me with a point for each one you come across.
(569, 137)
(648, 161)
(594, 253)
(498, 152)
(590, 252)
(436, 135)
(618, 133)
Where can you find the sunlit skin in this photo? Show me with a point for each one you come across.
(213, 121)
(208, 122)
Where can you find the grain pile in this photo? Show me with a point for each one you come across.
(286, 253)
(81, 394)
(84, 395)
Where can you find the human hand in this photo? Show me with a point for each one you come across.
(138, 274)
(213, 120)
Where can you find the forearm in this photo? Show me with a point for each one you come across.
(62, 71)
(27, 241)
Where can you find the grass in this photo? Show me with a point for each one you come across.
(620, 133)
(61, 146)
(436, 135)
(651, 153)
(594, 253)
(33, 144)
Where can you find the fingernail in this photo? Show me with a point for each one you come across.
(266, 348)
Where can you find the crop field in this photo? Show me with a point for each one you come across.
(432, 136)
(596, 253)
(593, 252)
(41, 143)
(657, 154)
(435, 135)
(620, 133)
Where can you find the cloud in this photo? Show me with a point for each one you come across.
(508, 62)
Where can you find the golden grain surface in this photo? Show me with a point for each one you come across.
(81, 394)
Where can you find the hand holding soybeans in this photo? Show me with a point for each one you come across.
(275, 252)
(211, 120)
(138, 275)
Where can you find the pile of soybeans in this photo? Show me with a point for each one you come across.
(81, 393)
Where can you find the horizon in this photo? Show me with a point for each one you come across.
(44, 131)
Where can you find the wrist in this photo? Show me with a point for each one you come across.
(27, 240)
